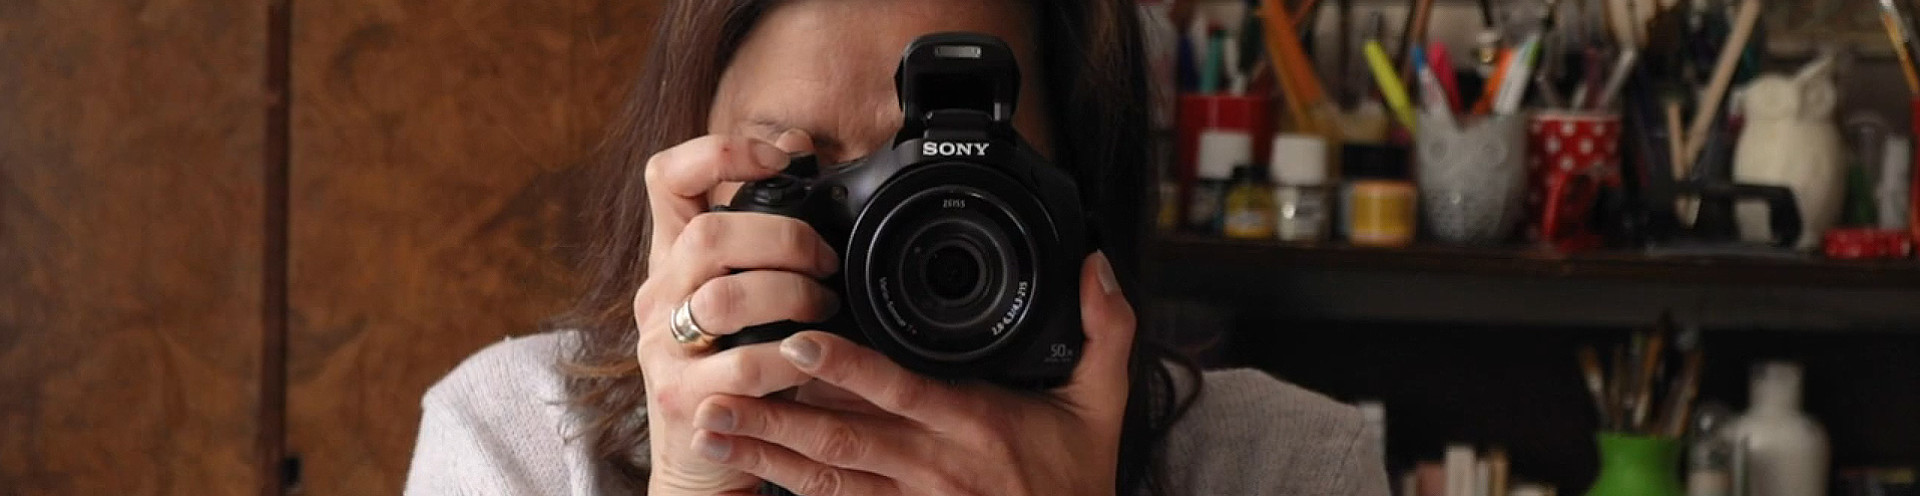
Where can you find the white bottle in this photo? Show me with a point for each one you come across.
(1220, 150)
(1299, 167)
(1786, 450)
(1896, 176)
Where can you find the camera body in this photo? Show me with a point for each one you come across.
(960, 244)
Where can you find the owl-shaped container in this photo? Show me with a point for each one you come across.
(1472, 177)
(1790, 140)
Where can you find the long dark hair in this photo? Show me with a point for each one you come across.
(1096, 86)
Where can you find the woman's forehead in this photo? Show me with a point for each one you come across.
(826, 66)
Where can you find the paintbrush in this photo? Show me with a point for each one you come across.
(1709, 109)
(1306, 97)
(1594, 376)
(1900, 38)
(1616, 394)
(1643, 390)
(1304, 12)
(1686, 387)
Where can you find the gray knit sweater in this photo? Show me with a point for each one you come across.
(498, 424)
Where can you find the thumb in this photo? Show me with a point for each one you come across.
(794, 140)
(1100, 381)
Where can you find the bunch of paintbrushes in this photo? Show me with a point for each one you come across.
(1646, 388)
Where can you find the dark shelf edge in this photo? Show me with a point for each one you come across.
(1177, 249)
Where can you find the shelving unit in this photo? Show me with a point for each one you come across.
(1477, 344)
(1180, 249)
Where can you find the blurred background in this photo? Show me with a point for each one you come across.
(238, 239)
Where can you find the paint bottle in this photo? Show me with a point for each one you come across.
(1301, 196)
(1219, 151)
(1379, 203)
(1249, 209)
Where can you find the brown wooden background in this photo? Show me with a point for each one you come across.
(231, 229)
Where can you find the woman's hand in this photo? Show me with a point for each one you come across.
(734, 269)
(928, 437)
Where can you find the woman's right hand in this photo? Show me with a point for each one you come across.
(736, 269)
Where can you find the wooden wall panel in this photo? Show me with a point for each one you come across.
(131, 159)
(432, 189)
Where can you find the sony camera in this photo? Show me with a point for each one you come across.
(960, 245)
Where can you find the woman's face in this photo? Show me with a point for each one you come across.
(826, 67)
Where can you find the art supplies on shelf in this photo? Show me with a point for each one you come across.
(1682, 62)
(1630, 398)
(1391, 87)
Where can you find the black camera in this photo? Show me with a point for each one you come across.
(960, 245)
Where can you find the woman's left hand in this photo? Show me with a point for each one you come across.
(930, 437)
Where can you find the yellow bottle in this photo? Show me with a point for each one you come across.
(1249, 208)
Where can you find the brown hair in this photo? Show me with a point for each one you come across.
(1095, 73)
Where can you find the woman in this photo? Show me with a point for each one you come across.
(616, 404)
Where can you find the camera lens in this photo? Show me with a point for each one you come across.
(953, 272)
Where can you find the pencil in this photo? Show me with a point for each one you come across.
(1518, 77)
(1391, 87)
(1492, 90)
(1441, 62)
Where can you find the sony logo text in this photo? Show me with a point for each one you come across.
(942, 149)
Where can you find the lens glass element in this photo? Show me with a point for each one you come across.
(954, 271)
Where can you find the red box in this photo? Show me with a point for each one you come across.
(1913, 192)
(1251, 113)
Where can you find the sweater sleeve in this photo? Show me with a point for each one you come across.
(1249, 433)
(452, 456)
(1365, 468)
(497, 424)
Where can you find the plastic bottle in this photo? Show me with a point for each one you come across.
(1379, 203)
(1709, 456)
(1249, 208)
(1787, 452)
(1220, 150)
(1301, 196)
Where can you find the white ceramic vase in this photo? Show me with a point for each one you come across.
(1787, 452)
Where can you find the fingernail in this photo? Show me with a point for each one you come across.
(1108, 284)
(801, 351)
(713, 447)
(769, 156)
(717, 418)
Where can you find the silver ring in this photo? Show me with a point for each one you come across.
(688, 332)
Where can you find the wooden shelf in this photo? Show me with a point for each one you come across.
(1171, 251)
